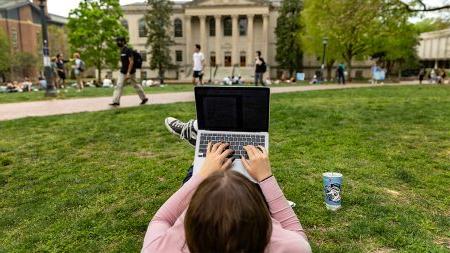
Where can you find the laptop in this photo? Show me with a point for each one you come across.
(235, 115)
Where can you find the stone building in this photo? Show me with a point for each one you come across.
(229, 32)
(434, 49)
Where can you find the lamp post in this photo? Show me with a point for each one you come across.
(325, 43)
(48, 73)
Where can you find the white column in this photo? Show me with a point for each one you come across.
(250, 40)
(235, 41)
(218, 22)
(203, 38)
(265, 52)
(188, 32)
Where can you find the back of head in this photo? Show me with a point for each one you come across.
(227, 213)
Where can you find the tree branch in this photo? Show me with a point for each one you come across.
(424, 7)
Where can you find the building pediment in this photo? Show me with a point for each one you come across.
(204, 3)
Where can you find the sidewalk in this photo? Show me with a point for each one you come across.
(57, 107)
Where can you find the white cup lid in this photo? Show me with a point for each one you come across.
(332, 174)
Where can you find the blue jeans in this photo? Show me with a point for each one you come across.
(259, 78)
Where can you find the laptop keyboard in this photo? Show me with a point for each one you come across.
(236, 141)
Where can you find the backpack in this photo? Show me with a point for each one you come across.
(137, 57)
(82, 66)
(264, 67)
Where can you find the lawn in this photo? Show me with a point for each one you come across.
(96, 92)
(91, 182)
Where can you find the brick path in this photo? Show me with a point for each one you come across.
(57, 107)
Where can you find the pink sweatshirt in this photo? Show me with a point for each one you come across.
(165, 232)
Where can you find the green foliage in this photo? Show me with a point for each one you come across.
(93, 28)
(159, 39)
(23, 64)
(91, 182)
(289, 54)
(356, 29)
(431, 24)
(58, 41)
(5, 54)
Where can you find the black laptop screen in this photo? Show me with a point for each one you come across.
(242, 109)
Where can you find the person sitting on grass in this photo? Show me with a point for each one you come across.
(220, 210)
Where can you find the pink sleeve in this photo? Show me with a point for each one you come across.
(168, 213)
(279, 207)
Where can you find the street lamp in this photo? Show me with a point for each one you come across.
(325, 43)
(48, 72)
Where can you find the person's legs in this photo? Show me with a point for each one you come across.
(119, 89)
(261, 77)
(200, 78)
(138, 87)
(186, 131)
(188, 174)
(256, 78)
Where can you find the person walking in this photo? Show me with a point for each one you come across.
(78, 71)
(260, 69)
(421, 75)
(341, 73)
(61, 70)
(127, 73)
(198, 60)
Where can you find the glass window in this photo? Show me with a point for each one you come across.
(179, 55)
(227, 27)
(212, 27)
(143, 55)
(142, 28)
(212, 59)
(243, 26)
(243, 59)
(178, 27)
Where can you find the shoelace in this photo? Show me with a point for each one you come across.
(186, 131)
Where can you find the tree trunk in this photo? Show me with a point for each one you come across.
(99, 71)
(161, 75)
(349, 69)
(329, 69)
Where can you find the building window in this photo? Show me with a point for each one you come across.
(178, 27)
(227, 59)
(243, 59)
(179, 56)
(243, 26)
(125, 24)
(142, 28)
(212, 59)
(143, 55)
(212, 27)
(227, 27)
(14, 38)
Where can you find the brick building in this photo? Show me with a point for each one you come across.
(20, 20)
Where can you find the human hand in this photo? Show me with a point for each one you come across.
(127, 76)
(216, 159)
(258, 164)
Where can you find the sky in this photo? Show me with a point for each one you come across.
(63, 7)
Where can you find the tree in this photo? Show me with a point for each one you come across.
(58, 40)
(159, 40)
(431, 24)
(93, 29)
(358, 29)
(395, 44)
(5, 54)
(289, 54)
(349, 24)
(24, 64)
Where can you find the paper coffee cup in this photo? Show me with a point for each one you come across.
(332, 188)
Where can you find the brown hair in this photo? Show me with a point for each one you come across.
(227, 213)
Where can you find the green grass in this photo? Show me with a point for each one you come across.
(88, 92)
(99, 92)
(91, 182)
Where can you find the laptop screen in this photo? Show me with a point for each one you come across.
(240, 109)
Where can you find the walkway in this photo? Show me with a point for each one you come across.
(57, 107)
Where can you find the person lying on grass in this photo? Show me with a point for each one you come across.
(220, 210)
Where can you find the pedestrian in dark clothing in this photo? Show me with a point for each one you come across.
(341, 73)
(421, 75)
(61, 70)
(260, 69)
